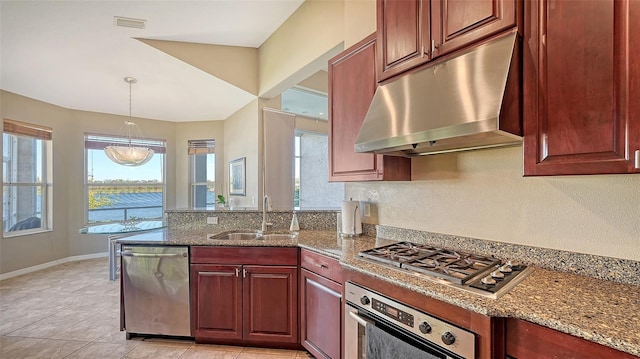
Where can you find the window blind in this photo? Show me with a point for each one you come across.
(99, 142)
(27, 129)
(197, 147)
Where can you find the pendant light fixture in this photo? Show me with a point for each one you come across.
(130, 153)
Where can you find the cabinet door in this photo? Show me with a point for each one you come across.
(321, 311)
(403, 32)
(457, 23)
(352, 83)
(216, 301)
(527, 340)
(271, 304)
(581, 110)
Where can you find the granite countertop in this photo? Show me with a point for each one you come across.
(601, 311)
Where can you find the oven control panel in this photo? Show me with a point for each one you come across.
(457, 340)
(391, 312)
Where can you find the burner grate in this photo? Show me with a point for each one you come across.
(397, 253)
(455, 266)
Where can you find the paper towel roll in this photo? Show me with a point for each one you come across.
(351, 221)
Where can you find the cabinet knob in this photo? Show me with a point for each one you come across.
(637, 162)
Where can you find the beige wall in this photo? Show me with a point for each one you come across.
(482, 194)
(316, 82)
(24, 251)
(69, 127)
(241, 139)
(186, 131)
(234, 64)
(301, 46)
(359, 20)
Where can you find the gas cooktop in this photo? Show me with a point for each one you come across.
(487, 276)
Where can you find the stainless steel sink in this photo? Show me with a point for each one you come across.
(242, 236)
(276, 236)
(249, 236)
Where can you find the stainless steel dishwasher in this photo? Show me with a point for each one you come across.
(155, 290)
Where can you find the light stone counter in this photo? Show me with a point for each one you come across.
(598, 310)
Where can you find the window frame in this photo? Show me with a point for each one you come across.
(194, 148)
(101, 140)
(18, 129)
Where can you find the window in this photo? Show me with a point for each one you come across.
(202, 159)
(26, 168)
(116, 193)
(312, 188)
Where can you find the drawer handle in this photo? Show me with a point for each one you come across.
(322, 265)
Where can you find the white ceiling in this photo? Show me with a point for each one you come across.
(69, 53)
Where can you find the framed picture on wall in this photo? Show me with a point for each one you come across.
(237, 180)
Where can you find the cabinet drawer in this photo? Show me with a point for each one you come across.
(244, 255)
(322, 265)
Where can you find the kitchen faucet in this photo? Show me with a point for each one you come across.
(265, 205)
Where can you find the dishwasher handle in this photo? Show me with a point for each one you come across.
(154, 255)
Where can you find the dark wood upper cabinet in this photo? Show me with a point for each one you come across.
(462, 22)
(404, 35)
(581, 85)
(352, 83)
(413, 32)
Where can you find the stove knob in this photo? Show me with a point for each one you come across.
(488, 280)
(365, 300)
(425, 328)
(448, 338)
(497, 274)
(505, 269)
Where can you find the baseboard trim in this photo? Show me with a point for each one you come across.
(51, 264)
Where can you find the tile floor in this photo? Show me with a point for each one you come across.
(72, 311)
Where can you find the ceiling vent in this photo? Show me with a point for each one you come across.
(129, 22)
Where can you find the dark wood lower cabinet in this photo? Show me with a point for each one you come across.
(321, 321)
(216, 301)
(527, 340)
(251, 303)
(270, 304)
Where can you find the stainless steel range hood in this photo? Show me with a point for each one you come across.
(467, 102)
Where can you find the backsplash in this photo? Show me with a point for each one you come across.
(601, 267)
(482, 194)
(251, 219)
(606, 268)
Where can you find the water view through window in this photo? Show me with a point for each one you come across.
(117, 193)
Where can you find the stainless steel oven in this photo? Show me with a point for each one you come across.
(377, 324)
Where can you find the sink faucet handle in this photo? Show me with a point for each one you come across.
(265, 225)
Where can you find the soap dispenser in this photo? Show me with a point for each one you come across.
(294, 228)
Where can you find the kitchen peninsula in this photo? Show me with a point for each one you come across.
(602, 312)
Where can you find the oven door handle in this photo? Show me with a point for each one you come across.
(354, 315)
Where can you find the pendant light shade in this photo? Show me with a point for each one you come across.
(129, 153)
